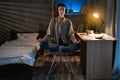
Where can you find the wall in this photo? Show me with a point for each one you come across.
(79, 22)
(23, 16)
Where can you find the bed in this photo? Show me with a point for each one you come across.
(23, 55)
(19, 54)
(22, 50)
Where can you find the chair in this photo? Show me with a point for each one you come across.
(61, 54)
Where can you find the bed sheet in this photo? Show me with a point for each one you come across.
(22, 43)
(22, 50)
(21, 60)
(13, 51)
(13, 54)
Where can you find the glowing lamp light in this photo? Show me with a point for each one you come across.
(96, 15)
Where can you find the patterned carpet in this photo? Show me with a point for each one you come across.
(61, 72)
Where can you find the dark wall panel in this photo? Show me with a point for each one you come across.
(23, 16)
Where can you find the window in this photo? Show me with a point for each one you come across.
(73, 6)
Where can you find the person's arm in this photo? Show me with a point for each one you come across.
(71, 33)
(41, 34)
(50, 31)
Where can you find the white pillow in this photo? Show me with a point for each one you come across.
(27, 36)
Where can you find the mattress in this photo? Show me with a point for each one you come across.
(17, 54)
(22, 43)
(22, 50)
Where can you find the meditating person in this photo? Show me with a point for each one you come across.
(60, 34)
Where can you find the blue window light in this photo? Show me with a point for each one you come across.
(74, 5)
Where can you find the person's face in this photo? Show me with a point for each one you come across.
(61, 11)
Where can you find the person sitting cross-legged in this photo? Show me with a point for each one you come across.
(60, 34)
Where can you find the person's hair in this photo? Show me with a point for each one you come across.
(63, 5)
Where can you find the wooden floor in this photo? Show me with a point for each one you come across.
(61, 72)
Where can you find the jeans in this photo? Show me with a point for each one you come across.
(69, 48)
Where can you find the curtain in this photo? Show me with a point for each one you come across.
(110, 12)
(116, 67)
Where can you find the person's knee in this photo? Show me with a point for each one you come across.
(77, 46)
(44, 45)
(71, 47)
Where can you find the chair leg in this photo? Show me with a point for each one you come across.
(69, 65)
(53, 65)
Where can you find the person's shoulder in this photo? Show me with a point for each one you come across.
(54, 18)
(68, 20)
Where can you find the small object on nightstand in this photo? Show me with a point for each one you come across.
(99, 37)
(89, 31)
